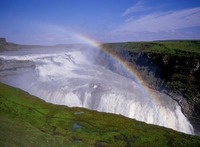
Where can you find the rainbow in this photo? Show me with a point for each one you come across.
(129, 68)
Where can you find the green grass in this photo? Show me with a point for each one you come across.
(26, 120)
(177, 47)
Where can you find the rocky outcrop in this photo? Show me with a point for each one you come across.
(6, 46)
(2, 40)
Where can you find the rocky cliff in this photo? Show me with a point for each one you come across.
(176, 74)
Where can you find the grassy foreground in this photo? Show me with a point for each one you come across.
(26, 120)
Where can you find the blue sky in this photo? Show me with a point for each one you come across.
(56, 21)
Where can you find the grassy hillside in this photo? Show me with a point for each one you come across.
(28, 121)
(177, 47)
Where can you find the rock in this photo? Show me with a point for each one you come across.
(14, 64)
(2, 41)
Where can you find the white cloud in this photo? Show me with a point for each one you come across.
(138, 7)
(161, 21)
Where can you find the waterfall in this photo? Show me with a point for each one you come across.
(68, 77)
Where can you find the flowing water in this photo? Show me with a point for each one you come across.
(69, 77)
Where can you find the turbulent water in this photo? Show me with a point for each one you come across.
(69, 77)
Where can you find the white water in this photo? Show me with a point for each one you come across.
(67, 77)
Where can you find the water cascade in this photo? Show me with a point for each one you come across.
(68, 77)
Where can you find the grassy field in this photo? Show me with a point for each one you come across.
(26, 120)
(177, 47)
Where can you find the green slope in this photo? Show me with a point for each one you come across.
(28, 121)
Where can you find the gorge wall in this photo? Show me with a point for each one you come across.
(176, 75)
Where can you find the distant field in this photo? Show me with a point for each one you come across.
(177, 47)
(173, 47)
